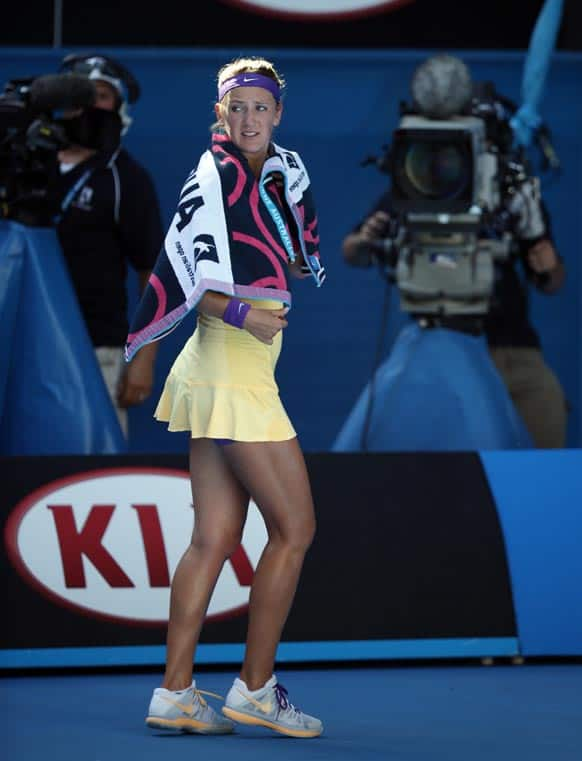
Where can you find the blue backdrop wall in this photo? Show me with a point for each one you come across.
(341, 107)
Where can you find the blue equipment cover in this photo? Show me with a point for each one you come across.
(437, 390)
(541, 47)
(53, 399)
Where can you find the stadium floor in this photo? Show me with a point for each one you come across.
(400, 713)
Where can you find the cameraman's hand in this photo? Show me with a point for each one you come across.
(375, 227)
(358, 247)
(542, 257)
(547, 266)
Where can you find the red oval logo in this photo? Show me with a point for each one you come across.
(106, 544)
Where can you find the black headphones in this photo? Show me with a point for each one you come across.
(98, 66)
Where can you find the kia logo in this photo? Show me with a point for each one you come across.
(310, 10)
(106, 544)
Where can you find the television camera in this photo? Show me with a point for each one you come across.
(461, 194)
(40, 116)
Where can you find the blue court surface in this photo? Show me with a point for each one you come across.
(531, 712)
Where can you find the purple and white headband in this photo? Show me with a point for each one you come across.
(250, 79)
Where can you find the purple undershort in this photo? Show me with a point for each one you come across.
(223, 442)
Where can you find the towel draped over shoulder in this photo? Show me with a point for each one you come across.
(232, 233)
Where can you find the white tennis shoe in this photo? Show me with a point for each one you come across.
(269, 707)
(186, 711)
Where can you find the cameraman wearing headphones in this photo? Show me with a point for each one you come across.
(513, 343)
(109, 216)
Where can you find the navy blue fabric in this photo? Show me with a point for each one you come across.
(437, 390)
(55, 400)
(11, 264)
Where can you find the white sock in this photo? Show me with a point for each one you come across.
(180, 692)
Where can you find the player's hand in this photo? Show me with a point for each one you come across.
(264, 324)
(375, 227)
(542, 257)
(296, 269)
(137, 382)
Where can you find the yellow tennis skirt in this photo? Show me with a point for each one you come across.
(222, 385)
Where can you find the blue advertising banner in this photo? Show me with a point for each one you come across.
(538, 497)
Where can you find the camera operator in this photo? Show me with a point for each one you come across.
(109, 217)
(513, 343)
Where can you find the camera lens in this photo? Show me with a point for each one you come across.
(438, 170)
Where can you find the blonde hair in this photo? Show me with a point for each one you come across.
(243, 65)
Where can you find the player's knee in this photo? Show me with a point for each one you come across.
(299, 536)
(218, 543)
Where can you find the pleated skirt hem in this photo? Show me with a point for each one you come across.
(223, 412)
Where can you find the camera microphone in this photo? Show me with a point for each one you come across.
(53, 92)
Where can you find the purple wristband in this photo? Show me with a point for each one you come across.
(235, 313)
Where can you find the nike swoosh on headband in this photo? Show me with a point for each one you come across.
(250, 79)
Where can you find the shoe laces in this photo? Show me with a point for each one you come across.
(283, 701)
(200, 693)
